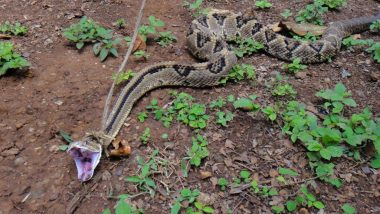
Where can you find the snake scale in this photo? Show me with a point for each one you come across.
(207, 40)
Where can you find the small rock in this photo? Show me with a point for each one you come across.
(169, 145)
(301, 75)
(273, 173)
(375, 76)
(48, 42)
(366, 170)
(205, 174)
(19, 161)
(303, 211)
(106, 176)
(54, 148)
(344, 73)
(58, 102)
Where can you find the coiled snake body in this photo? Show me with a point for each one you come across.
(207, 40)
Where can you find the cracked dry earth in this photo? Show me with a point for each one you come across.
(65, 90)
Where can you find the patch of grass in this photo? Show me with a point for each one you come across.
(218, 103)
(143, 180)
(334, 136)
(239, 72)
(283, 89)
(9, 59)
(198, 150)
(190, 196)
(312, 14)
(87, 31)
(142, 116)
(305, 199)
(196, 8)
(270, 113)
(166, 38)
(123, 76)
(245, 47)
(16, 29)
(295, 66)
(123, 207)
(263, 4)
(224, 117)
(119, 23)
(286, 13)
(145, 137)
(375, 26)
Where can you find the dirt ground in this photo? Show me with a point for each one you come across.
(65, 90)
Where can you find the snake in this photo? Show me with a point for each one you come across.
(209, 40)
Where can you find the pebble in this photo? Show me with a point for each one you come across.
(19, 161)
(375, 76)
(344, 73)
(9, 152)
(48, 42)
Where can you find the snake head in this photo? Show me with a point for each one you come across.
(86, 155)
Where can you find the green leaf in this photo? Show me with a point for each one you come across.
(63, 147)
(245, 174)
(122, 207)
(348, 209)
(66, 136)
(286, 171)
(79, 45)
(175, 208)
(350, 102)
(103, 54)
(291, 205)
(319, 205)
(314, 146)
(244, 103)
(133, 179)
(375, 163)
(107, 211)
(208, 209)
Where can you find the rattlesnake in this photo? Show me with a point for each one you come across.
(207, 40)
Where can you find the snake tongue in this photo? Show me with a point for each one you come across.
(86, 156)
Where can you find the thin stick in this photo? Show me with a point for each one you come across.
(122, 66)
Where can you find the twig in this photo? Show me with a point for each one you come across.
(122, 66)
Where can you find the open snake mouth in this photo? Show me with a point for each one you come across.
(86, 158)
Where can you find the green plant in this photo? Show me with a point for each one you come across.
(336, 98)
(286, 13)
(123, 207)
(9, 59)
(66, 137)
(14, 29)
(123, 76)
(308, 37)
(270, 112)
(185, 195)
(141, 54)
(304, 199)
(119, 23)
(222, 182)
(283, 89)
(245, 175)
(239, 72)
(246, 46)
(375, 50)
(223, 118)
(198, 150)
(312, 14)
(196, 8)
(143, 180)
(145, 136)
(348, 209)
(375, 26)
(199, 208)
(166, 38)
(263, 4)
(295, 66)
(332, 4)
(219, 103)
(145, 30)
(142, 116)
(87, 31)
(374, 47)
(247, 104)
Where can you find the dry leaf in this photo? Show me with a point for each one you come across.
(122, 148)
(205, 174)
(303, 29)
(276, 27)
(139, 44)
(5, 36)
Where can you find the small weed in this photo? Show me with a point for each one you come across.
(283, 89)
(68, 140)
(263, 4)
(198, 150)
(145, 137)
(239, 72)
(142, 116)
(199, 208)
(123, 207)
(185, 195)
(246, 46)
(119, 23)
(141, 54)
(16, 29)
(312, 14)
(245, 176)
(150, 29)
(196, 8)
(222, 182)
(375, 26)
(332, 4)
(286, 14)
(219, 103)
(9, 59)
(123, 76)
(295, 66)
(223, 118)
(247, 104)
(304, 199)
(374, 47)
(166, 38)
(270, 112)
(143, 180)
(308, 37)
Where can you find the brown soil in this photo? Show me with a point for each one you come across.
(65, 90)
